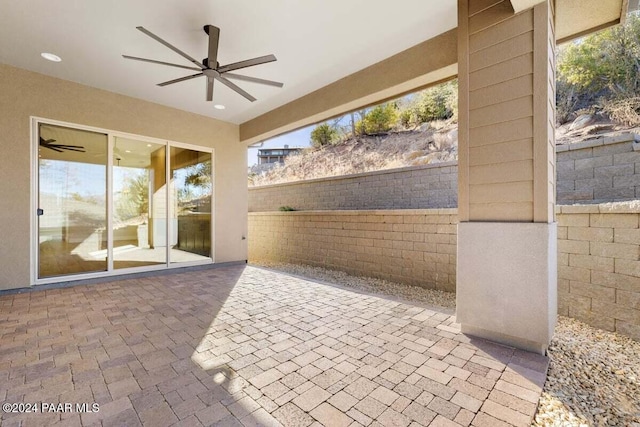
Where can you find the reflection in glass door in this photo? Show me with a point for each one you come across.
(139, 203)
(190, 205)
(72, 208)
(108, 202)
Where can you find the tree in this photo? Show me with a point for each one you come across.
(199, 175)
(608, 60)
(134, 198)
(600, 70)
(323, 134)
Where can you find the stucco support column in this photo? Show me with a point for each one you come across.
(507, 260)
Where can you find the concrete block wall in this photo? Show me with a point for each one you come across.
(599, 170)
(416, 187)
(599, 265)
(598, 252)
(416, 247)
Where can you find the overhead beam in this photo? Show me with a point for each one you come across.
(520, 5)
(427, 63)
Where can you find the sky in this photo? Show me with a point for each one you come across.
(297, 138)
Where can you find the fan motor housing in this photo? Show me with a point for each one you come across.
(205, 62)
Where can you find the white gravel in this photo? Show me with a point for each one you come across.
(593, 377)
(368, 284)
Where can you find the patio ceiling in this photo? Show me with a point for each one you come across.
(316, 42)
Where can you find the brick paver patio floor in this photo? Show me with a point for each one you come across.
(245, 346)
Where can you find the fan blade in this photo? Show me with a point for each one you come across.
(214, 38)
(181, 79)
(247, 63)
(63, 146)
(77, 150)
(253, 80)
(209, 88)
(233, 86)
(173, 48)
(153, 61)
(51, 148)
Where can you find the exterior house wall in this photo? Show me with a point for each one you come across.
(506, 69)
(26, 94)
(598, 253)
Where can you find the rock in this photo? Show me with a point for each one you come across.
(590, 375)
(582, 121)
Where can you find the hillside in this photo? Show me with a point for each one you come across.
(431, 143)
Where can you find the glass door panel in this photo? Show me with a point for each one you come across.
(190, 205)
(139, 204)
(72, 204)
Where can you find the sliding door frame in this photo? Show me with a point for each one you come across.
(111, 136)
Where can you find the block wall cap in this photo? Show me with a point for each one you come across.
(590, 143)
(359, 175)
(363, 212)
(631, 207)
(598, 141)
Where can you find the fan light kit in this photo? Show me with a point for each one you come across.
(51, 57)
(209, 67)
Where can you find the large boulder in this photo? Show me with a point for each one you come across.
(582, 121)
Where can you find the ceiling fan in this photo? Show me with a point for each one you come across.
(209, 67)
(49, 143)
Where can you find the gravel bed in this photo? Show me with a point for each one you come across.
(594, 375)
(368, 284)
(593, 378)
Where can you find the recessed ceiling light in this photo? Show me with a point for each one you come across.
(127, 151)
(219, 107)
(51, 57)
(148, 145)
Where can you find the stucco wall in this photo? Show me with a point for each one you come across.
(26, 94)
(598, 252)
(416, 187)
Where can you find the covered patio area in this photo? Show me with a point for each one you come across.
(249, 346)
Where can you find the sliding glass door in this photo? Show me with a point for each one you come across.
(190, 205)
(107, 202)
(139, 203)
(72, 201)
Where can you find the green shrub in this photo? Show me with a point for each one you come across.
(286, 209)
(436, 103)
(381, 118)
(322, 135)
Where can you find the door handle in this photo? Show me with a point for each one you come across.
(39, 212)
